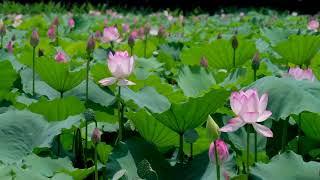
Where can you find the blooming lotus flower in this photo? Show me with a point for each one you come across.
(94, 13)
(222, 149)
(153, 32)
(110, 34)
(71, 23)
(313, 25)
(61, 57)
(10, 47)
(250, 109)
(17, 20)
(52, 32)
(120, 65)
(300, 74)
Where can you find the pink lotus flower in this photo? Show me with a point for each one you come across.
(10, 47)
(300, 74)
(96, 135)
(313, 25)
(250, 109)
(222, 149)
(121, 66)
(71, 23)
(125, 27)
(110, 34)
(134, 34)
(52, 33)
(61, 57)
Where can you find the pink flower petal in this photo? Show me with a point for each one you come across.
(233, 125)
(250, 117)
(264, 116)
(107, 81)
(263, 130)
(124, 82)
(263, 102)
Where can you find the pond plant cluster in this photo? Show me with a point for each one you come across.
(109, 95)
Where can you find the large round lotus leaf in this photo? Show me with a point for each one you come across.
(310, 125)
(286, 166)
(58, 109)
(288, 96)
(7, 75)
(152, 130)
(298, 49)
(219, 53)
(58, 75)
(192, 113)
(21, 131)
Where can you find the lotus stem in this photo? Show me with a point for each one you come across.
(1, 42)
(248, 147)
(180, 153)
(145, 45)
(234, 57)
(96, 177)
(57, 37)
(58, 142)
(87, 78)
(284, 134)
(131, 51)
(217, 160)
(299, 134)
(255, 132)
(33, 71)
(120, 115)
(191, 151)
(61, 94)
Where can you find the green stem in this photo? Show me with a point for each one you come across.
(87, 78)
(96, 177)
(86, 136)
(299, 134)
(33, 71)
(145, 45)
(234, 58)
(248, 147)
(191, 151)
(61, 95)
(58, 141)
(120, 116)
(131, 51)
(180, 153)
(284, 134)
(255, 132)
(1, 42)
(57, 37)
(217, 160)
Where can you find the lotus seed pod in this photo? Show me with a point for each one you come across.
(89, 115)
(234, 42)
(2, 29)
(212, 129)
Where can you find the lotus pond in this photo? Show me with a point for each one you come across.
(109, 95)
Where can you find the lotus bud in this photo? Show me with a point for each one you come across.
(212, 129)
(89, 115)
(222, 149)
(91, 44)
(34, 40)
(204, 62)
(234, 42)
(10, 47)
(52, 32)
(147, 28)
(256, 61)
(71, 23)
(96, 136)
(56, 21)
(131, 40)
(162, 32)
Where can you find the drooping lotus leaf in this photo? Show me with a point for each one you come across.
(219, 53)
(58, 109)
(288, 96)
(192, 113)
(152, 130)
(194, 80)
(7, 75)
(298, 49)
(21, 131)
(58, 75)
(286, 166)
(310, 124)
